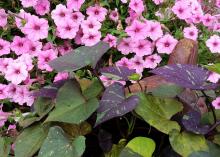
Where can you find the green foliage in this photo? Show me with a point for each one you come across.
(4, 146)
(186, 143)
(30, 140)
(158, 111)
(214, 67)
(143, 146)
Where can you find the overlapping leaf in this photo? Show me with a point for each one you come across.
(117, 73)
(114, 104)
(158, 112)
(191, 122)
(80, 57)
(214, 67)
(188, 76)
(50, 91)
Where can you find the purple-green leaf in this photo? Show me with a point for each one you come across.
(114, 104)
(50, 91)
(117, 73)
(191, 122)
(188, 76)
(80, 57)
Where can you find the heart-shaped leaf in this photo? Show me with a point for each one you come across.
(191, 122)
(56, 144)
(80, 57)
(117, 73)
(143, 146)
(114, 104)
(30, 141)
(158, 112)
(188, 76)
(186, 143)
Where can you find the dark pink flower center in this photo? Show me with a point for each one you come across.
(62, 14)
(20, 44)
(47, 59)
(1, 47)
(96, 12)
(33, 48)
(68, 28)
(17, 71)
(191, 33)
(152, 59)
(1, 92)
(91, 37)
(36, 27)
(137, 63)
(91, 25)
(215, 44)
(140, 46)
(75, 17)
(136, 30)
(180, 10)
(167, 44)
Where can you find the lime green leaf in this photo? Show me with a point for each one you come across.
(157, 112)
(29, 141)
(74, 114)
(186, 143)
(214, 67)
(79, 146)
(56, 144)
(134, 77)
(143, 146)
(4, 146)
(116, 149)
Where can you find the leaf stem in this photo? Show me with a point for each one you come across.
(210, 106)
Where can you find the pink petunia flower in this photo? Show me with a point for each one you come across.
(166, 44)
(78, 38)
(137, 63)
(214, 77)
(182, 10)
(114, 15)
(16, 73)
(28, 3)
(61, 76)
(3, 92)
(21, 22)
(137, 6)
(23, 96)
(75, 4)
(191, 33)
(60, 14)
(125, 46)
(97, 12)
(67, 30)
(157, 2)
(4, 47)
(111, 40)
(124, 62)
(216, 103)
(77, 17)
(197, 18)
(152, 61)
(42, 7)
(154, 30)
(25, 59)
(34, 48)
(91, 38)
(44, 57)
(4, 63)
(137, 30)
(20, 45)
(36, 28)
(213, 43)
(3, 18)
(142, 47)
(91, 24)
(208, 20)
(65, 48)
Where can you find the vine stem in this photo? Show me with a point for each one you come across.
(210, 106)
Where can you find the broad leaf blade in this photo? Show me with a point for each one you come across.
(158, 112)
(56, 144)
(188, 76)
(4, 146)
(30, 141)
(80, 57)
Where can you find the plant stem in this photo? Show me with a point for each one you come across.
(210, 106)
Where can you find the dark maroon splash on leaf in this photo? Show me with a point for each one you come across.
(50, 91)
(114, 104)
(122, 73)
(191, 122)
(188, 76)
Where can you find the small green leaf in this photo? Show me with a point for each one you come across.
(158, 111)
(42, 106)
(30, 141)
(143, 146)
(134, 77)
(214, 67)
(116, 149)
(79, 146)
(186, 143)
(217, 139)
(93, 90)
